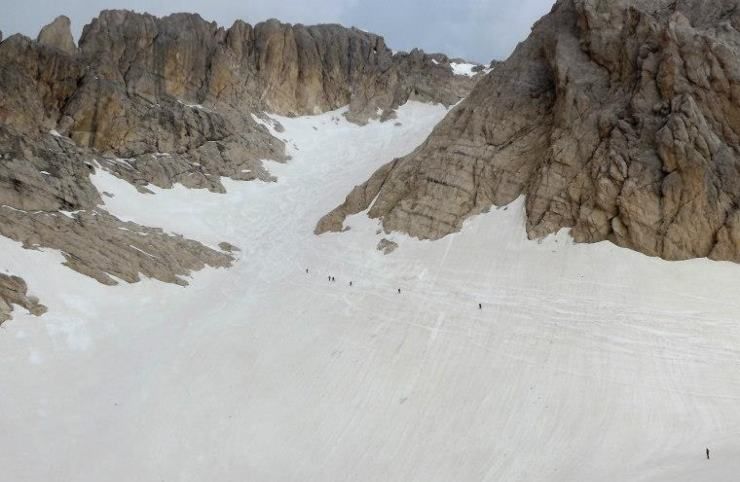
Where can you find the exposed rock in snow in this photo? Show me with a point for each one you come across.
(93, 244)
(616, 119)
(140, 86)
(387, 246)
(13, 291)
(586, 362)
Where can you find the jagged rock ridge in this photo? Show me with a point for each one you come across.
(58, 34)
(618, 119)
(172, 100)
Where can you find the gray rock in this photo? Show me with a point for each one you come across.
(141, 85)
(387, 246)
(274, 67)
(58, 34)
(228, 247)
(14, 291)
(159, 101)
(101, 246)
(617, 119)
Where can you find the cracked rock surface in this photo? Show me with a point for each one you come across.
(160, 101)
(618, 119)
(13, 291)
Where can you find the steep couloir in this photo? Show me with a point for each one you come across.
(172, 100)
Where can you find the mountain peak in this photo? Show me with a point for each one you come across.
(58, 34)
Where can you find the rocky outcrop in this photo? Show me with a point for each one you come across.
(173, 100)
(386, 246)
(47, 199)
(58, 35)
(47, 173)
(617, 119)
(140, 85)
(14, 291)
(101, 246)
(275, 67)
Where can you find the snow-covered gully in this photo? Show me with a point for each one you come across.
(585, 362)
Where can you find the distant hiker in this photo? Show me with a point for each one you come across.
(707, 454)
(399, 291)
(306, 270)
(350, 283)
(480, 306)
(329, 278)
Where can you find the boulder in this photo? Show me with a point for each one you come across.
(160, 101)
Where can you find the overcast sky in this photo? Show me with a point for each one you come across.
(479, 30)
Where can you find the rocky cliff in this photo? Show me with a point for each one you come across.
(619, 119)
(132, 85)
(172, 100)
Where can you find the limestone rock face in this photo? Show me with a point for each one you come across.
(171, 100)
(140, 85)
(14, 291)
(58, 34)
(617, 119)
(275, 67)
(99, 245)
(36, 81)
(44, 174)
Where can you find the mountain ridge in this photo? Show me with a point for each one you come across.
(616, 120)
(173, 100)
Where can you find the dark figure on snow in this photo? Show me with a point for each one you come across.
(350, 283)
(480, 306)
(399, 291)
(329, 278)
(707, 454)
(306, 270)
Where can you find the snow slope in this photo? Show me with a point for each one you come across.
(459, 68)
(585, 363)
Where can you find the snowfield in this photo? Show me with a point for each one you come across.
(587, 362)
(459, 68)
